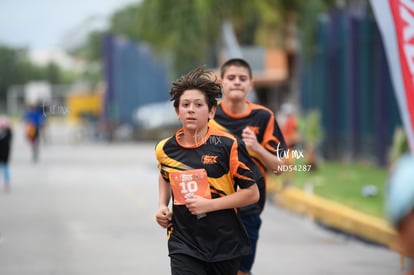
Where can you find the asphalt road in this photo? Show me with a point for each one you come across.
(88, 208)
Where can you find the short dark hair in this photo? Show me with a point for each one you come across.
(238, 62)
(199, 79)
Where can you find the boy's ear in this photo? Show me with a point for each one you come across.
(212, 112)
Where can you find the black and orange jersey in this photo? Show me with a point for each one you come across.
(219, 235)
(262, 122)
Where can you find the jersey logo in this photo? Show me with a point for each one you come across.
(206, 159)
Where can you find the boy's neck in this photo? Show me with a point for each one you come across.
(235, 107)
(191, 138)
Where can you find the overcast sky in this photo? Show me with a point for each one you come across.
(48, 24)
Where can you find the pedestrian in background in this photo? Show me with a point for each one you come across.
(400, 205)
(34, 119)
(206, 173)
(5, 147)
(290, 126)
(257, 127)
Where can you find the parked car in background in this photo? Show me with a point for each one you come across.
(155, 120)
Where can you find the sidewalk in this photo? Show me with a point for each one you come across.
(335, 215)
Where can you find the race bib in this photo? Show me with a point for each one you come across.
(188, 183)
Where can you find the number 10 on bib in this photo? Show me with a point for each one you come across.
(189, 183)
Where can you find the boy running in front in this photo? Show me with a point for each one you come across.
(206, 175)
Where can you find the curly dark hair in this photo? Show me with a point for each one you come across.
(199, 79)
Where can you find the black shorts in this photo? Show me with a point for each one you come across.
(186, 265)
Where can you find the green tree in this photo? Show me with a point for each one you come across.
(17, 69)
(52, 73)
(189, 31)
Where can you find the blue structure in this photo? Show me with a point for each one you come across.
(134, 77)
(348, 80)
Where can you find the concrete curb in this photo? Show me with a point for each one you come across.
(334, 215)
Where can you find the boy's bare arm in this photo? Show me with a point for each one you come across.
(198, 205)
(163, 215)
